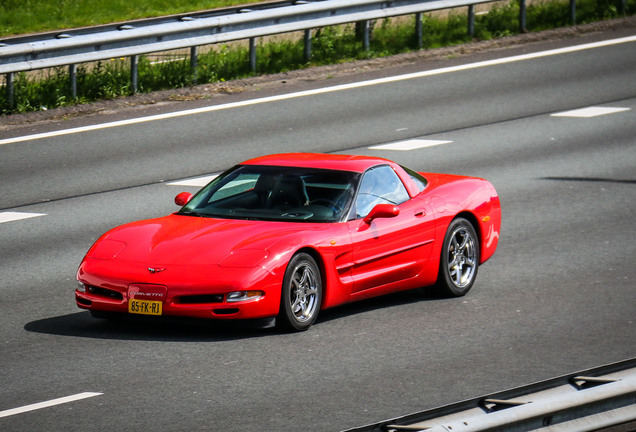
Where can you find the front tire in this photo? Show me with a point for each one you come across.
(459, 260)
(301, 294)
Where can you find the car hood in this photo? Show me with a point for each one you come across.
(188, 240)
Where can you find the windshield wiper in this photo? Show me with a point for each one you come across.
(190, 213)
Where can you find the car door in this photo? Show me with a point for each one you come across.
(388, 249)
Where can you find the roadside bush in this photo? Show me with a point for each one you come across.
(334, 45)
(499, 22)
(223, 64)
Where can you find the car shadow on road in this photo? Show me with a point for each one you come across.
(170, 329)
(381, 302)
(166, 329)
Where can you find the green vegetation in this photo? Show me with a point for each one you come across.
(33, 16)
(111, 78)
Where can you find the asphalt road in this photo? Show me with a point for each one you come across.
(559, 295)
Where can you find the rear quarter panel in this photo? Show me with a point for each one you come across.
(473, 198)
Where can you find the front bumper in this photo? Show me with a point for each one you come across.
(183, 291)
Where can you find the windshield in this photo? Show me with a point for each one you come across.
(276, 193)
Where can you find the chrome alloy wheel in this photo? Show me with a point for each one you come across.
(462, 256)
(459, 260)
(304, 292)
(301, 293)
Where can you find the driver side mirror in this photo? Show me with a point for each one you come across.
(182, 199)
(382, 211)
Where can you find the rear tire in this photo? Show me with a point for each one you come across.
(459, 260)
(301, 295)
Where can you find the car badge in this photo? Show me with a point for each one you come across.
(154, 270)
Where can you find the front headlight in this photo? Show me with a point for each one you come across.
(238, 296)
(244, 258)
(106, 249)
(81, 287)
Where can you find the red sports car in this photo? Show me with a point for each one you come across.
(288, 235)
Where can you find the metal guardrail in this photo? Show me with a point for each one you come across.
(128, 39)
(592, 400)
(145, 22)
(72, 47)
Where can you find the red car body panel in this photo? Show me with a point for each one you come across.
(190, 264)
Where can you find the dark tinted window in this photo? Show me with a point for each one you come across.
(276, 193)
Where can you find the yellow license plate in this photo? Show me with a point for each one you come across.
(144, 307)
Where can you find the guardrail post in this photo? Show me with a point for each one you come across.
(418, 29)
(471, 21)
(253, 54)
(307, 49)
(72, 75)
(522, 16)
(573, 12)
(134, 72)
(194, 59)
(10, 90)
(365, 35)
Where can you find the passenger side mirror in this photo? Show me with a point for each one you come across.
(182, 199)
(382, 211)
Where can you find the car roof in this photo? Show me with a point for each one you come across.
(320, 160)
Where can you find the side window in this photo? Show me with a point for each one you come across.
(379, 185)
(419, 180)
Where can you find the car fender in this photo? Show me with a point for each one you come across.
(473, 198)
(330, 246)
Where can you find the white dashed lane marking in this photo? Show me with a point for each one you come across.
(15, 216)
(413, 144)
(409, 145)
(590, 112)
(49, 403)
(197, 182)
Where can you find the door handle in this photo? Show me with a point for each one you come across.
(420, 212)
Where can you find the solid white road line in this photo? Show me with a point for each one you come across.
(323, 90)
(590, 112)
(14, 216)
(413, 144)
(47, 404)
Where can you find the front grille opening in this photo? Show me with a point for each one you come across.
(230, 311)
(83, 301)
(104, 292)
(201, 299)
